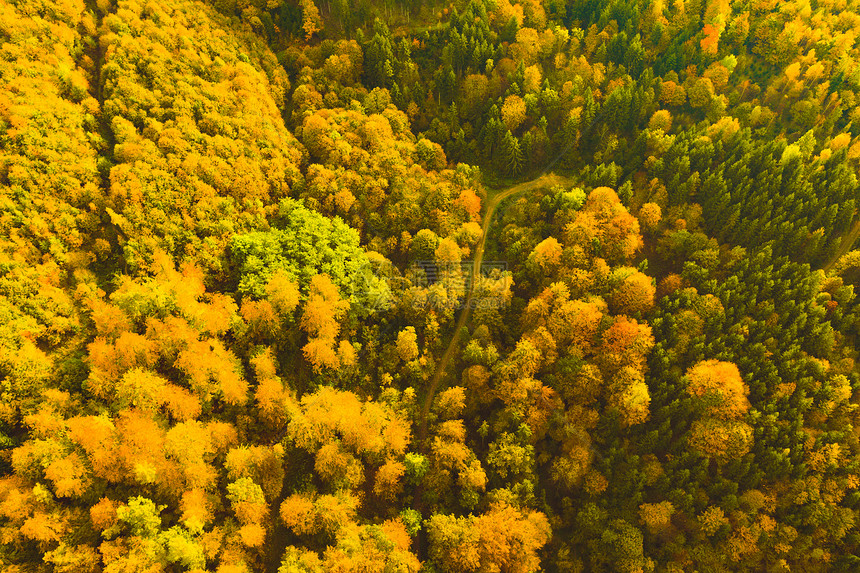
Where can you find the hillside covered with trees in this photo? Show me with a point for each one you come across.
(493, 286)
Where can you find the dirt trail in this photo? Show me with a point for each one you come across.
(848, 240)
(542, 181)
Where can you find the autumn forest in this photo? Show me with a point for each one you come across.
(389, 286)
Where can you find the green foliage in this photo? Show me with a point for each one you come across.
(141, 515)
(172, 193)
(305, 244)
(412, 520)
(416, 466)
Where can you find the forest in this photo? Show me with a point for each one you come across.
(401, 286)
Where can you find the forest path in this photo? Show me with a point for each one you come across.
(845, 245)
(543, 181)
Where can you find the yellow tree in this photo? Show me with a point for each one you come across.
(320, 320)
(503, 539)
(720, 388)
(633, 294)
(513, 112)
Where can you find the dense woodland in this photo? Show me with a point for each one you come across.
(240, 329)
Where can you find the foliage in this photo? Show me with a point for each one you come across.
(272, 297)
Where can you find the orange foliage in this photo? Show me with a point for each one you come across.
(110, 321)
(140, 448)
(547, 254)
(475, 378)
(196, 509)
(626, 343)
(387, 483)
(607, 221)
(97, 436)
(180, 403)
(272, 396)
(261, 318)
(720, 388)
(470, 202)
(721, 439)
(673, 94)
(110, 360)
(103, 514)
(711, 40)
(252, 534)
(634, 295)
(322, 311)
(43, 527)
(503, 539)
(70, 476)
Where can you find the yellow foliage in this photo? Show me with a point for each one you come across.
(362, 427)
(337, 466)
(547, 254)
(346, 354)
(650, 215)
(712, 519)
(283, 293)
(212, 369)
(720, 388)
(634, 294)
(513, 112)
(570, 468)
(182, 404)
(657, 516)
(298, 513)
(387, 483)
(502, 539)
(322, 311)
(840, 141)
(70, 476)
(141, 389)
(336, 511)
(407, 344)
(450, 402)
(196, 509)
(533, 78)
(721, 439)
(662, 119)
(252, 534)
(630, 395)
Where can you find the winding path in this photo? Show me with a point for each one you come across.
(845, 246)
(542, 181)
(441, 367)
